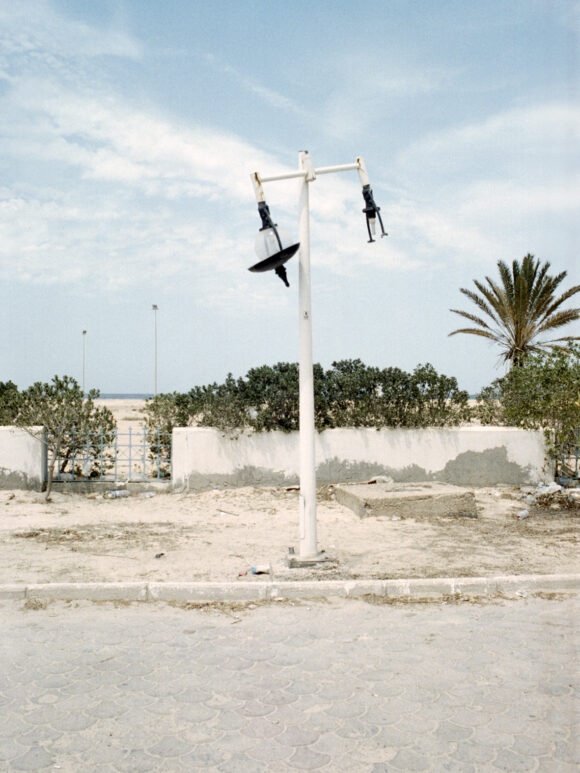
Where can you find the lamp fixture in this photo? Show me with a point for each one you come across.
(372, 212)
(272, 246)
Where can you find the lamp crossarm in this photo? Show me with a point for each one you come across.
(258, 180)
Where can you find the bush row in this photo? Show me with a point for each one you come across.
(349, 394)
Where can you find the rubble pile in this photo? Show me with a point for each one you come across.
(553, 497)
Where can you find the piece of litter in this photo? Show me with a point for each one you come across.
(381, 479)
(117, 494)
(159, 555)
(522, 514)
(552, 488)
(260, 569)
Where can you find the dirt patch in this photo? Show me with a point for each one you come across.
(142, 535)
(216, 534)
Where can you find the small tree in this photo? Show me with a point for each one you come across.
(271, 396)
(489, 408)
(219, 405)
(353, 393)
(440, 402)
(359, 395)
(163, 413)
(69, 421)
(9, 402)
(544, 393)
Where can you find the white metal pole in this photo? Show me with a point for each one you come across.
(308, 548)
(84, 359)
(308, 542)
(155, 309)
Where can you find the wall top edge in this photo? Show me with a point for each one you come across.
(450, 430)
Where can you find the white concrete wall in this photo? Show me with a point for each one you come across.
(477, 456)
(22, 459)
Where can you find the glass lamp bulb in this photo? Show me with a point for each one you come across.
(267, 244)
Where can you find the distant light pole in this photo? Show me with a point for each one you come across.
(155, 310)
(274, 251)
(84, 359)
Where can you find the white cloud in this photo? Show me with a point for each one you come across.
(271, 97)
(115, 192)
(499, 198)
(536, 134)
(481, 191)
(143, 191)
(368, 85)
(109, 139)
(33, 36)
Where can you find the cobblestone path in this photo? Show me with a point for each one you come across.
(342, 686)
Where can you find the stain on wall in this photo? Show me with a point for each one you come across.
(10, 479)
(470, 468)
(484, 468)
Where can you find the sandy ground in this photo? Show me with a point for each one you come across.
(218, 534)
(215, 535)
(127, 412)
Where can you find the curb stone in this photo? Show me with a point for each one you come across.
(263, 589)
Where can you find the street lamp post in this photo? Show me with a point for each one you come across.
(84, 359)
(155, 310)
(275, 259)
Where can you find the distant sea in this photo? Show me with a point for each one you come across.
(126, 396)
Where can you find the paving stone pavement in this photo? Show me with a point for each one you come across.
(341, 686)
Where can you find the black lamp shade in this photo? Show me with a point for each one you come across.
(277, 259)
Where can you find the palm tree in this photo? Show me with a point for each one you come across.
(520, 308)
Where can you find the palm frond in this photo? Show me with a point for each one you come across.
(506, 278)
(559, 319)
(475, 332)
(480, 303)
(559, 301)
(472, 317)
(495, 297)
(543, 296)
(552, 341)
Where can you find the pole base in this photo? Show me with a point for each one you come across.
(297, 562)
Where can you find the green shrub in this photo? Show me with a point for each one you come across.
(9, 402)
(349, 394)
(73, 427)
(542, 393)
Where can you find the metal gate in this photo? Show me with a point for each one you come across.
(568, 465)
(135, 455)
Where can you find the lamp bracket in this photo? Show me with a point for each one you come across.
(307, 164)
(258, 188)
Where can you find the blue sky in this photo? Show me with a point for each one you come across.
(129, 130)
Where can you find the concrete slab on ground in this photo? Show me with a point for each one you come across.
(407, 500)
